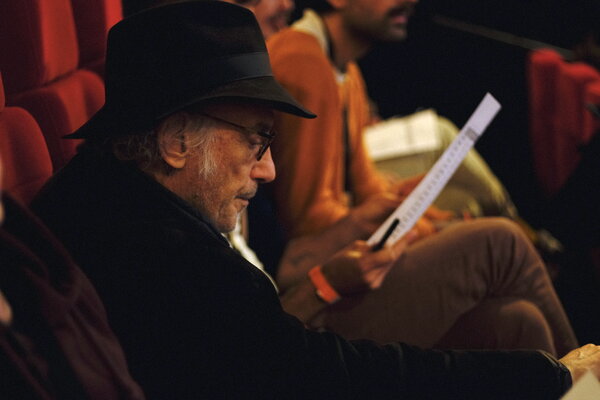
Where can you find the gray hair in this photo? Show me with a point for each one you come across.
(144, 148)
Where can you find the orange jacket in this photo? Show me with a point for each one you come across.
(309, 154)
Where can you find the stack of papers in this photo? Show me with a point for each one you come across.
(586, 388)
(414, 134)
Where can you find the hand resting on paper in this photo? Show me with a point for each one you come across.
(583, 359)
(368, 215)
(403, 187)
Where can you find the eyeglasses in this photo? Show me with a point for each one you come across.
(268, 136)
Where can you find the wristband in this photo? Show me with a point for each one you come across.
(325, 291)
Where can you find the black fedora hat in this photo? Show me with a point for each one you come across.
(170, 57)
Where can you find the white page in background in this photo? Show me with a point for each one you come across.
(395, 137)
(586, 388)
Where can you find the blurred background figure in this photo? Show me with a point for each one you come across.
(55, 341)
(272, 15)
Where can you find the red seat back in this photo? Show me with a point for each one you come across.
(559, 120)
(39, 59)
(542, 74)
(93, 19)
(591, 124)
(572, 83)
(25, 158)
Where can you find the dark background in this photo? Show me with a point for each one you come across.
(450, 70)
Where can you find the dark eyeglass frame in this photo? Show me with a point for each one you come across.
(268, 136)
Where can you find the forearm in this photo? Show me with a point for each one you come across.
(519, 374)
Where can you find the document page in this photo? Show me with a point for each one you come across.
(396, 137)
(429, 188)
(586, 388)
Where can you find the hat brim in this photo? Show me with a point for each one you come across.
(265, 90)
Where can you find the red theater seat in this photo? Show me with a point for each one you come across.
(93, 19)
(543, 69)
(559, 120)
(39, 59)
(591, 124)
(25, 158)
(572, 83)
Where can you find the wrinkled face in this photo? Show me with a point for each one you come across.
(272, 15)
(222, 193)
(378, 20)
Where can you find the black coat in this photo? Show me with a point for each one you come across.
(198, 321)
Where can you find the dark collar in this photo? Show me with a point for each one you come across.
(136, 180)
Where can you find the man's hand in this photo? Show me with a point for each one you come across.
(371, 213)
(583, 359)
(403, 187)
(432, 220)
(357, 268)
(436, 214)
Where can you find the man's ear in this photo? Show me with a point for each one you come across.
(172, 144)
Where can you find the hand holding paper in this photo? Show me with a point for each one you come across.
(357, 267)
(352, 270)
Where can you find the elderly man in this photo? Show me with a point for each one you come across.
(172, 158)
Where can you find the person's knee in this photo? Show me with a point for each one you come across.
(525, 326)
(501, 323)
(502, 225)
(508, 246)
(498, 230)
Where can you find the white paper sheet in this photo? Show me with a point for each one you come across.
(586, 388)
(429, 188)
(396, 137)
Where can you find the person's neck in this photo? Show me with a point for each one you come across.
(347, 46)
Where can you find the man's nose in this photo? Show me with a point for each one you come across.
(264, 170)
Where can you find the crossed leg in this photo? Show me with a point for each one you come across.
(483, 270)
